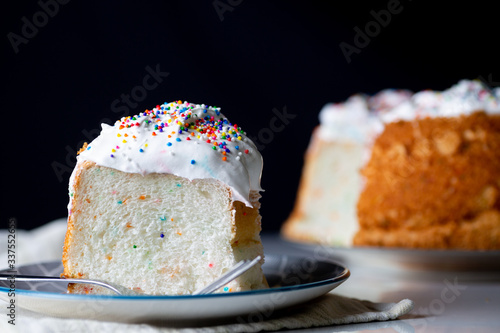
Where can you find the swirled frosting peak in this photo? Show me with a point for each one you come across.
(194, 141)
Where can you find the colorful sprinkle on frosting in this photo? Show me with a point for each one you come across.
(212, 130)
(170, 137)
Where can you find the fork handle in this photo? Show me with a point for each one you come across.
(35, 278)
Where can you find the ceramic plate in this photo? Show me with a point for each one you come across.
(292, 280)
(406, 259)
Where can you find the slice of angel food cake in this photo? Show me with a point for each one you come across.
(165, 202)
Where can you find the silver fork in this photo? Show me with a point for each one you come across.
(232, 274)
(229, 276)
(120, 290)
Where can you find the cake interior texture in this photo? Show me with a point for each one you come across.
(433, 183)
(158, 234)
(328, 193)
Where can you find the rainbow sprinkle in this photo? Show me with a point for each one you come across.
(194, 124)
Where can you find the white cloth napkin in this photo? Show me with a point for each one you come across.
(45, 244)
(325, 311)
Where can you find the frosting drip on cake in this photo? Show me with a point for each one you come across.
(188, 140)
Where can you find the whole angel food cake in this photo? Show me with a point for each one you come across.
(404, 170)
(164, 202)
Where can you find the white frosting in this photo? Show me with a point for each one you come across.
(463, 98)
(357, 118)
(362, 117)
(178, 138)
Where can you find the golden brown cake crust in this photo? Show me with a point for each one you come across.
(69, 232)
(433, 183)
(481, 233)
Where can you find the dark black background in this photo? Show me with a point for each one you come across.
(263, 55)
